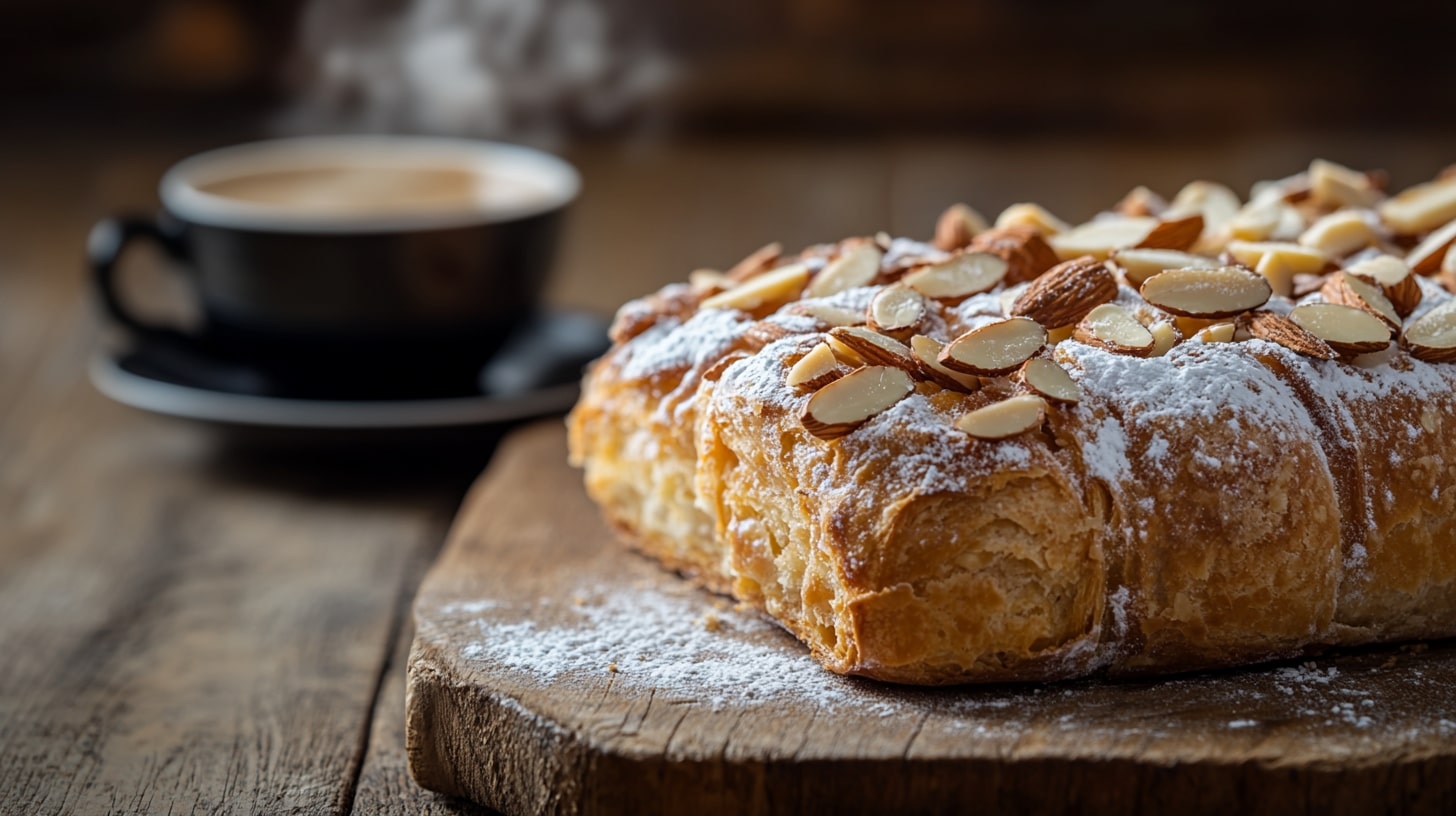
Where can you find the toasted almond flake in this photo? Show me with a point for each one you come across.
(1215, 202)
(1347, 330)
(1343, 232)
(1335, 185)
(856, 266)
(957, 226)
(1289, 189)
(816, 369)
(1432, 337)
(875, 348)
(1421, 208)
(1005, 419)
(828, 315)
(1256, 221)
(1349, 290)
(1114, 329)
(927, 352)
(1277, 328)
(709, 281)
(1207, 293)
(1427, 256)
(1394, 279)
(843, 353)
(847, 403)
(1189, 326)
(766, 291)
(1050, 380)
(1276, 269)
(1180, 233)
(1066, 293)
(1141, 201)
(1217, 333)
(958, 277)
(1099, 237)
(763, 332)
(1138, 265)
(1165, 337)
(995, 348)
(897, 311)
(759, 261)
(1034, 216)
(1026, 253)
(1296, 257)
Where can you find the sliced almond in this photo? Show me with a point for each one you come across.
(1277, 328)
(1066, 293)
(816, 369)
(1165, 337)
(1267, 220)
(1349, 290)
(958, 277)
(1303, 285)
(1005, 419)
(1098, 238)
(1432, 337)
(763, 292)
(1026, 253)
(1335, 185)
(1138, 265)
(1217, 333)
(1181, 233)
(759, 261)
(1207, 293)
(1050, 380)
(1141, 201)
(1114, 329)
(957, 226)
(1342, 233)
(1034, 216)
(995, 348)
(1299, 258)
(927, 352)
(827, 314)
(1215, 202)
(1277, 270)
(875, 348)
(1347, 330)
(1394, 279)
(1427, 256)
(897, 311)
(857, 266)
(1421, 208)
(709, 281)
(847, 403)
(843, 353)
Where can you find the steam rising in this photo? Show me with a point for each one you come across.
(522, 69)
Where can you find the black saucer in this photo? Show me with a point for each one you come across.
(535, 374)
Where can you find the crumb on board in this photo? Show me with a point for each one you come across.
(612, 667)
(711, 622)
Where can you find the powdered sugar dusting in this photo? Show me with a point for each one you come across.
(670, 345)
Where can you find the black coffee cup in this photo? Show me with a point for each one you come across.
(351, 266)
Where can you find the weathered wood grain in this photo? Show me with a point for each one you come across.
(554, 672)
(183, 628)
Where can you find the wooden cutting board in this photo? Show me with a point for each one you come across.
(552, 671)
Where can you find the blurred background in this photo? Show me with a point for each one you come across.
(846, 115)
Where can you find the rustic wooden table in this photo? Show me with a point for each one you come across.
(187, 626)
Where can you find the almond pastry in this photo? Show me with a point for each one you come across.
(970, 462)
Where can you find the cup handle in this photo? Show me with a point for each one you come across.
(104, 248)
